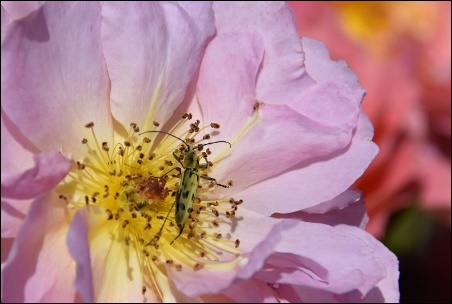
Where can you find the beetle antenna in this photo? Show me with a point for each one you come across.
(220, 141)
(166, 134)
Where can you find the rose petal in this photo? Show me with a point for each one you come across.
(50, 168)
(263, 151)
(339, 202)
(78, 247)
(168, 41)
(259, 135)
(320, 67)
(313, 182)
(5, 21)
(50, 58)
(335, 260)
(251, 291)
(227, 77)
(283, 77)
(347, 208)
(13, 216)
(17, 151)
(388, 287)
(258, 236)
(107, 270)
(19, 9)
(38, 252)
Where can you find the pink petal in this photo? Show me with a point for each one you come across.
(53, 66)
(321, 68)
(5, 21)
(19, 9)
(107, 271)
(258, 236)
(303, 294)
(268, 147)
(283, 77)
(13, 216)
(153, 51)
(227, 77)
(347, 208)
(17, 151)
(313, 182)
(78, 246)
(339, 202)
(388, 287)
(326, 258)
(262, 139)
(251, 291)
(38, 252)
(50, 168)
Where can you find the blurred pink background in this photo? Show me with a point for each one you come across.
(401, 52)
(402, 55)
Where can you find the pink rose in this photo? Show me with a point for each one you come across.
(83, 83)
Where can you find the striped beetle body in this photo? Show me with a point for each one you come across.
(187, 189)
(188, 184)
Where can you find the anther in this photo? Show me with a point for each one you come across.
(156, 124)
(89, 125)
(215, 125)
(105, 146)
(110, 214)
(80, 165)
(127, 241)
(125, 223)
(84, 141)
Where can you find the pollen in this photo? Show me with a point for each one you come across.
(152, 188)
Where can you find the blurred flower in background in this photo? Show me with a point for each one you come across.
(401, 52)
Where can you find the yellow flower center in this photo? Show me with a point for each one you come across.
(139, 185)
